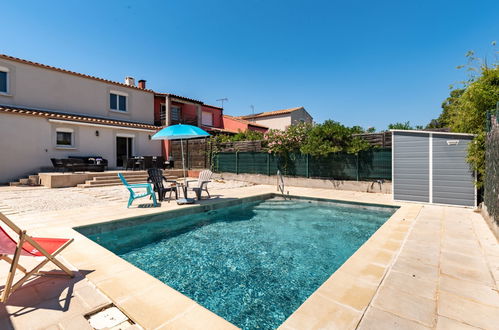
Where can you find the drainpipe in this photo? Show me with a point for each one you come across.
(199, 113)
(167, 122)
(168, 105)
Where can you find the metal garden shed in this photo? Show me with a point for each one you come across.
(431, 167)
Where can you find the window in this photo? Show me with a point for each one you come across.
(64, 137)
(4, 80)
(207, 118)
(117, 101)
(162, 112)
(175, 113)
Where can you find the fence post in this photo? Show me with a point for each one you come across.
(268, 164)
(357, 154)
(308, 165)
(237, 162)
(187, 152)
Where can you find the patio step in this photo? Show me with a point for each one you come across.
(111, 182)
(114, 180)
(96, 185)
(103, 177)
(32, 180)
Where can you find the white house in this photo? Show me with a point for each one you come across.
(48, 112)
(280, 119)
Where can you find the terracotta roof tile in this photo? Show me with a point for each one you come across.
(244, 121)
(216, 129)
(74, 117)
(271, 113)
(20, 60)
(187, 99)
(212, 106)
(179, 97)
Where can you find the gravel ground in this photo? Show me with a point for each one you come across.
(24, 200)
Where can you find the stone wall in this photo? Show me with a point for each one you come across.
(384, 187)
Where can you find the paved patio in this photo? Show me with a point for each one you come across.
(428, 267)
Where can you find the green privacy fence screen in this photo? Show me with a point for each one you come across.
(367, 165)
(491, 184)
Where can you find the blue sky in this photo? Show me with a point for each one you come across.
(366, 63)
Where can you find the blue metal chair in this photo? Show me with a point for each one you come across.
(134, 195)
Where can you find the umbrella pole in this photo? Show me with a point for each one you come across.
(183, 162)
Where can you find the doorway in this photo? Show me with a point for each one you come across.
(124, 148)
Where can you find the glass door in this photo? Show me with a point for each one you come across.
(124, 149)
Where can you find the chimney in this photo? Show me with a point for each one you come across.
(130, 81)
(142, 84)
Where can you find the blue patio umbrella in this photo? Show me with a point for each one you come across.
(180, 132)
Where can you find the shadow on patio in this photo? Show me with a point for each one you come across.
(48, 300)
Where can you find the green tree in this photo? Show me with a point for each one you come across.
(406, 125)
(470, 115)
(449, 107)
(332, 136)
(465, 110)
(289, 140)
(246, 135)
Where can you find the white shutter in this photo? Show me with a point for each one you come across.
(207, 118)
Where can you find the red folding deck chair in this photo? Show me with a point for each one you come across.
(28, 246)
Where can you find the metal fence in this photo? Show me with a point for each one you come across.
(367, 165)
(491, 186)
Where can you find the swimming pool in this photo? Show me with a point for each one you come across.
(253, 263)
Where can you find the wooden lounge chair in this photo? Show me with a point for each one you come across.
(202, 183)
(28, 246)
(134, 195)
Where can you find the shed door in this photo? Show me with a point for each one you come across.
(453, 182)
(411, 170)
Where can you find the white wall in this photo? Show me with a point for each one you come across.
(299, 116)
(275, 122)
(27, 143)
(36, 87)
(284, 120)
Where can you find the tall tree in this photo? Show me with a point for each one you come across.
(465, 110)
(406, 125)
(449, 107)
(470, 115)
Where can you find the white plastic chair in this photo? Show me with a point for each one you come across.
(202, 183)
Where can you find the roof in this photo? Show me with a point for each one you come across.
(179, 97)
(216, 129)
(244, 121)
(272, 113)
(44, 66)
(187, 99)
(74, 117)
(428, 132)
(213, 106)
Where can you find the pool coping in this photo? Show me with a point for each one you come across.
(344, 296)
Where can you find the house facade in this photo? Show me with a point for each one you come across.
(171, 109)
(48, 112)
(236, 124)
(280, 119)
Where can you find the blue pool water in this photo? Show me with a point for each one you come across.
(253, 264)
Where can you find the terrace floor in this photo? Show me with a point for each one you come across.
(427, 267)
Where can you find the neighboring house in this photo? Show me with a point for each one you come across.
(48, 112)
(171, 109)
(235, 124)
(280, 119)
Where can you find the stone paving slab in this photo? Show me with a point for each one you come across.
(427, 267)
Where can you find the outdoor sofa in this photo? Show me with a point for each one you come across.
(80, 163)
